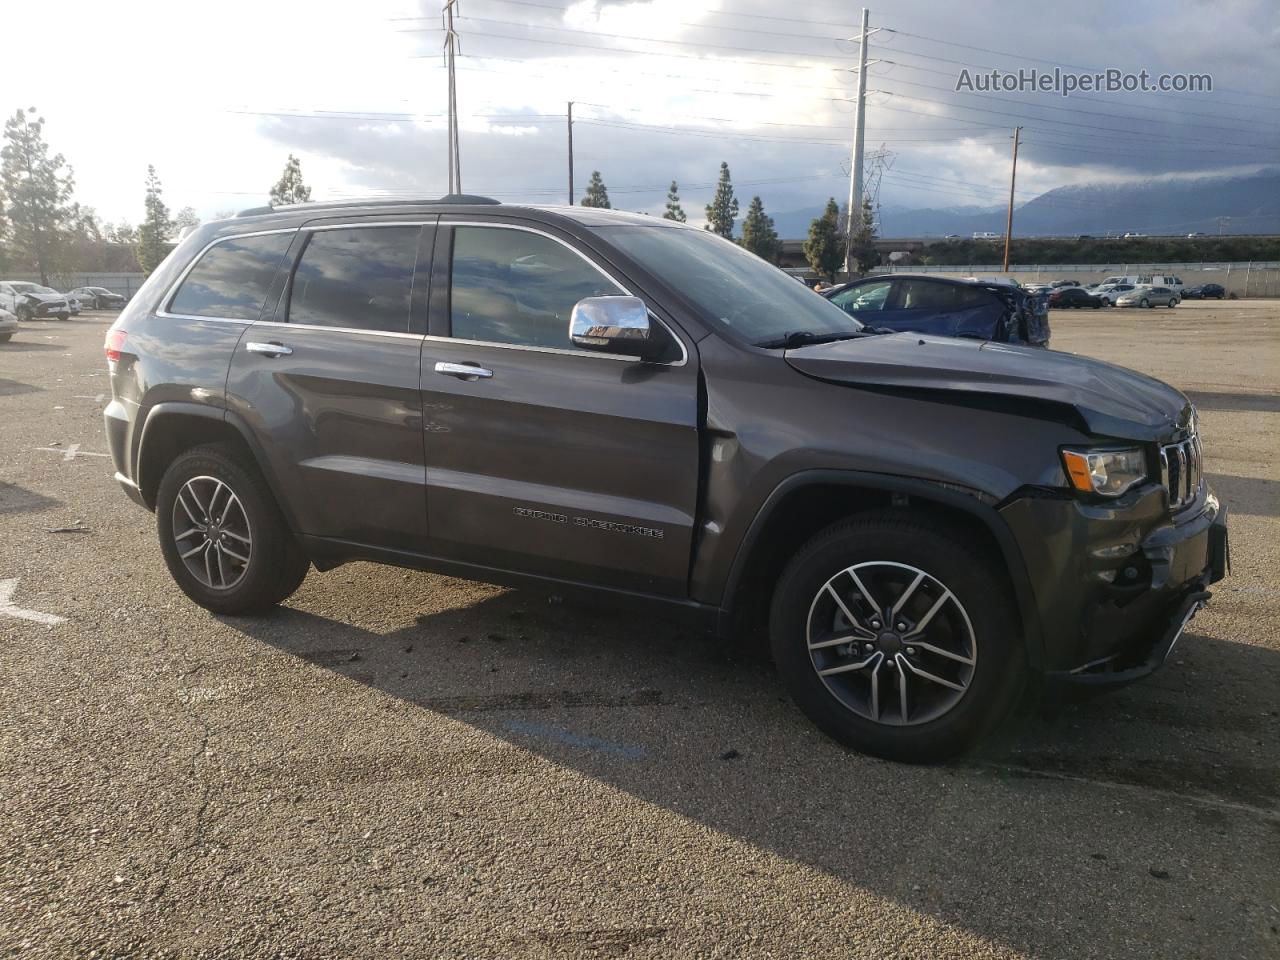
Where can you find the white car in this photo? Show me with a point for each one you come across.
(30, 300)
(1109, 293)
(8, 325)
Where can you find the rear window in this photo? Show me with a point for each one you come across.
(231, 280)
(356, 278)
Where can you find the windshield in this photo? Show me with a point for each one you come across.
(25, 287)
(753, 299)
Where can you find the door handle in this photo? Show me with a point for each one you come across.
(269, 349)
(463, 371)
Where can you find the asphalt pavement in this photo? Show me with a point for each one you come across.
(398, 764)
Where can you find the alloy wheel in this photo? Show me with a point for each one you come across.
(891, 642)
(212, 533)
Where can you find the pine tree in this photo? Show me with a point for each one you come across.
(824, 247)
(863, 241)
(37, 191)
(153, 234)
(597, 193)
(290, 188)
(723, 208)
(186, 218)
(674, 210)
(758, 233)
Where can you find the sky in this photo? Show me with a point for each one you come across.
(217, 96)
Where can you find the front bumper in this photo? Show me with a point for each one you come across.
(1116, 586)
(51, 309)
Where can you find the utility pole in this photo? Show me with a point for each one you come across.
(859, 134)
(1013, 180)
(450, 51)
(571, 153)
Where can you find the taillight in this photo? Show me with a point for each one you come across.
(114, 343)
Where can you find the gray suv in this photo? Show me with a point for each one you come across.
(595, 401)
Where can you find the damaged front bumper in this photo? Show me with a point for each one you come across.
(1116, 602)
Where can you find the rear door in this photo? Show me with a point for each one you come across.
(551, 459)
(329, 381)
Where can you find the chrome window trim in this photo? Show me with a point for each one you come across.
(356, 225)
(167, 299)
(684, 353)
(403, 335)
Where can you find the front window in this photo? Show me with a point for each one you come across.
(516, 287)
(729, 286)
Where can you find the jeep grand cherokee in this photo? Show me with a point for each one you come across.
(637, 408)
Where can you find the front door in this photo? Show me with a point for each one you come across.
(330, 383)
(551, 459)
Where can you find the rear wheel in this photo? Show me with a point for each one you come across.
(64, 316)
(1172, 302)
(223, 537)
(895, 639)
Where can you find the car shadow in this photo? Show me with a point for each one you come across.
(702, 728)
(1247, 496)
(1235, 402)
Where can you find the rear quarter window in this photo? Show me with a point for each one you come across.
(230, 281)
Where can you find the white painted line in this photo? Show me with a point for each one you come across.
(8, 609)
(73, 451)
(98, 399)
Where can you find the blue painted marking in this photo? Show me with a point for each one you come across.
(625, 750)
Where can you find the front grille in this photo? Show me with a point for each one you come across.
(1181, 472)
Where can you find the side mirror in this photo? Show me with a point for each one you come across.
(611, 324)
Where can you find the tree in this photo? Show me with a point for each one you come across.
(153, 234)
(723, 208)
(186, 218)
(122, 232)
(758, 233)
(290, 188)
(862, 244)
(597, 193)
(37, 190)
(824, 247)
(674, 210)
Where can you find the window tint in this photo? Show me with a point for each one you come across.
(512, 286)
(865, 296)
(232, 278)
(360, 278)
(969, 297)
(924, 295)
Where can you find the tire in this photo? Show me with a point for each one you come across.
(64, 317)
(24, 313)
(1172, 303)
(1145, 303)
(252, 529)
(889, 548)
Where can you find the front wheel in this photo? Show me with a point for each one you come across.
(1172, 304)
(222, 534)
(896, 638)
(64, 316)
(24, 313)
(1145, 303)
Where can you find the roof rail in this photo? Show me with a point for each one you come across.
(459, 198)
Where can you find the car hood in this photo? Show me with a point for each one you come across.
(42, 297)
(1110, 400)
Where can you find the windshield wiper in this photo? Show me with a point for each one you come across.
(802, 338)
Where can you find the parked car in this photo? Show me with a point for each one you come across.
(987, 310)
(1108, 292)
(73, 305)
(1073, 297)
(1148, 297)
(1150, 280)
(922, 525)
(30, 300)
(98, 298)
(8, 325)
(1205, 291)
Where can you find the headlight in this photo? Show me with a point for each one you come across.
(1107, 473)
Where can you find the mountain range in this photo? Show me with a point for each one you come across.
(1249, 204)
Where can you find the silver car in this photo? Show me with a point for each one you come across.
(1149, 297)
(8, 325)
